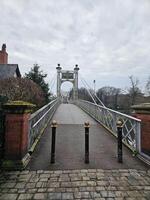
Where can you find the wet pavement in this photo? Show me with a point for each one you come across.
(70, 178)
(70, 142)
(98, 184)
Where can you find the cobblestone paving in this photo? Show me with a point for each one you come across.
(128, 184)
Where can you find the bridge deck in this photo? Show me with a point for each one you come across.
(70, 145)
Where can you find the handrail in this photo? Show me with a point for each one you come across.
(44, 115)
(42, 108)
(40, 119)
(115, 111)
(108, 118)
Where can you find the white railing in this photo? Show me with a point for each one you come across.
(40, 119)
(108, 118)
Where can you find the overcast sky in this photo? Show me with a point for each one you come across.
(109, 39)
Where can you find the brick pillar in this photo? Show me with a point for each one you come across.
(3, 55)
(142, 112)
(16, 134)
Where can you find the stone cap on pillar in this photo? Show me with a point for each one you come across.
(143, 108)
(18, 107)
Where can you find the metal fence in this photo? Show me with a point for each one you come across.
(108, 118)
(40, 119)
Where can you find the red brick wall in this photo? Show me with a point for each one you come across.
(3, 57)
(16, 135)
(145, 131)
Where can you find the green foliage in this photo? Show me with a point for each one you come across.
(3, 99)
(39, 78)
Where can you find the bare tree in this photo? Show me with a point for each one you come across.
(148, 86)
(134, 91)
(109, 96)
(84, 94)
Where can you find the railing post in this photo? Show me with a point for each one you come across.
(119, 134)
(138, 137)
(114, 123)
(87, 126)
(53, 126)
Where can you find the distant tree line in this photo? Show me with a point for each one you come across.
(33, 88)
(117, 98)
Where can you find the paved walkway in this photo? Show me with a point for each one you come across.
(102, 179)
(76, 184)
(71, 114)
(70, 145)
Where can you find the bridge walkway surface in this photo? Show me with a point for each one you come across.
(69, 178)
(70, 145)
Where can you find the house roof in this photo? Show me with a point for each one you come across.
(9, 70)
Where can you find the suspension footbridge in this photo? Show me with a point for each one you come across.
(70, 144)
(29, 147)
(70, 132)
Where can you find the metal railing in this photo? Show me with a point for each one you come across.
(108, 118)
(40, 119)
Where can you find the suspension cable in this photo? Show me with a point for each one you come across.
(91, 89)
(94, 93)
(52, 82)
(89, 92)
(53, 85)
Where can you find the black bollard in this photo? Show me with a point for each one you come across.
(53, 126)
(119, 134)
(87, 126)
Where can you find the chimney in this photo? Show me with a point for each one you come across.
(3, 55)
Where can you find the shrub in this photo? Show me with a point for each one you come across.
(22, 89)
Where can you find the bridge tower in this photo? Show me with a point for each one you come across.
(67, 75)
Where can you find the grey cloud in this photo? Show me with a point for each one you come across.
(108, 38)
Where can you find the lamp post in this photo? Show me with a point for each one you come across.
(94, 82)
